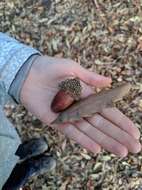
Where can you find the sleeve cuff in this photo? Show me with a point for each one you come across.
(17, 84)
(15, 64)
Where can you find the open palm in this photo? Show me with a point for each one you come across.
(111, 130)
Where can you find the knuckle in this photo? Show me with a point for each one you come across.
(68, 129)
(98, 120)
(84, 126)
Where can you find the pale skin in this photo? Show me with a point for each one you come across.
(111, 130)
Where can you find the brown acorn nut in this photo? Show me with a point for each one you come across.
(69, 91)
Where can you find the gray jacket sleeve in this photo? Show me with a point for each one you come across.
(12, 56)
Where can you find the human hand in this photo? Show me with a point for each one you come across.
(111, 130)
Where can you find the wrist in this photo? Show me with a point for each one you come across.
(31, 80)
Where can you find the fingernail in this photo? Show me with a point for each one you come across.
(110, 79)
(138, 148)
(124, 153)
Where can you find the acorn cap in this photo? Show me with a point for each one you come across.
(72, 86)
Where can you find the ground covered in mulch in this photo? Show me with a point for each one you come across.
(103, 36)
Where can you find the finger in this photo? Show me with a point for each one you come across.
(118, 118)
(73, 133)
(92, 78)
(115, 132)
(102, 139)
(86, 90)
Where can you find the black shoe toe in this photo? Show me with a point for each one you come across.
(28, 168)
(31, 148)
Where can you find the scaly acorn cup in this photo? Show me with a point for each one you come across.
(69, 91)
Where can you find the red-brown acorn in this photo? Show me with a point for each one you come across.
(70, 91)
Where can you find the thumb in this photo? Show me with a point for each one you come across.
(92, 78)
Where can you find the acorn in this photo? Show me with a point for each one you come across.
(69, 91)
